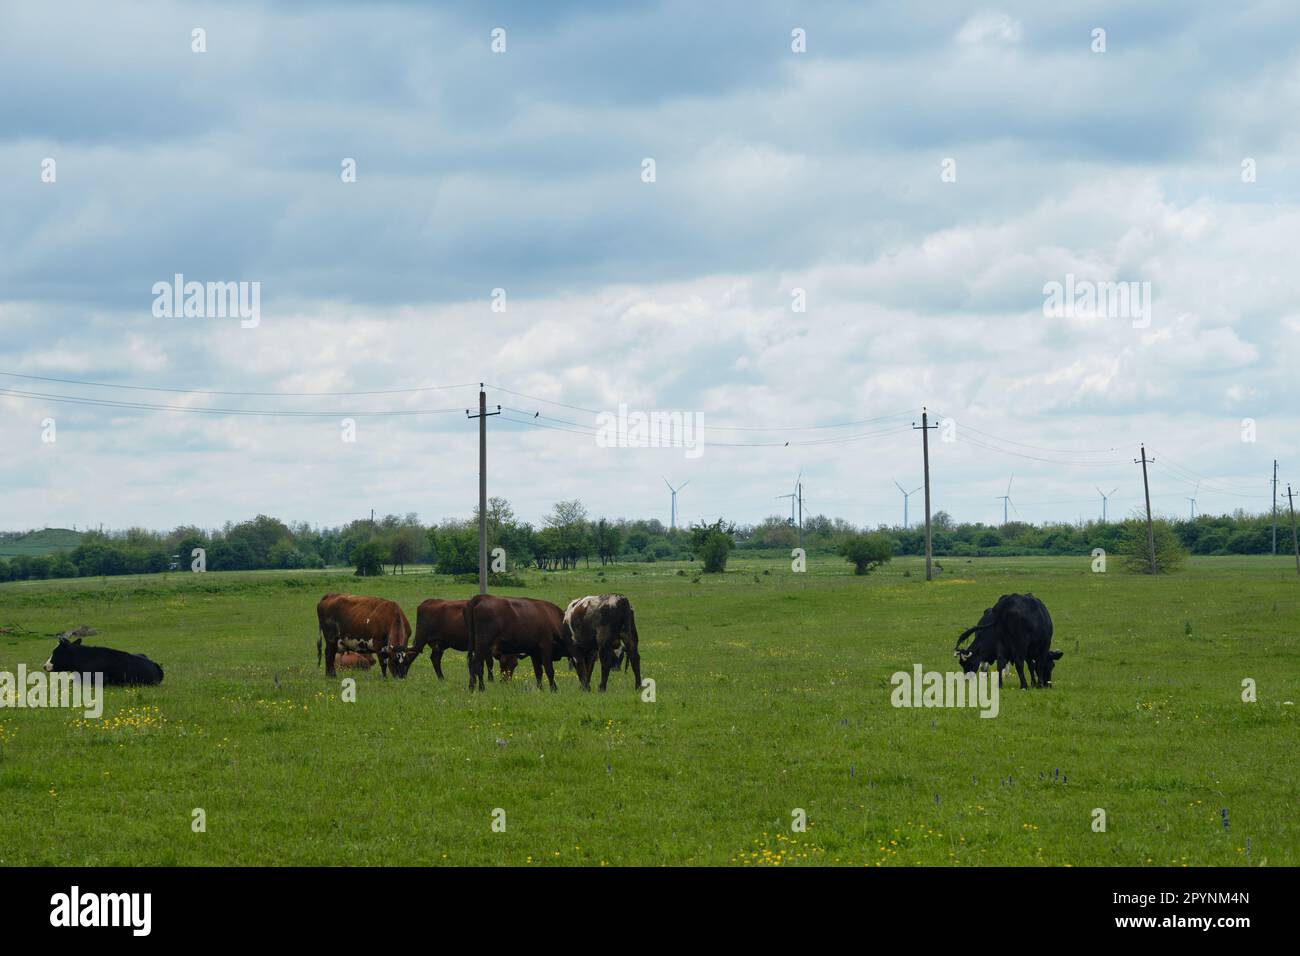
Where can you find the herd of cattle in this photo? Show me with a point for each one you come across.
(356, 629)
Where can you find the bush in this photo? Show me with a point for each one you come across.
(713, 542)
(866, 551)
(456, 550)
(369, 559)
(1137, 551)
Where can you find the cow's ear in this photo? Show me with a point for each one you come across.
(77, 641)
(1057, 655)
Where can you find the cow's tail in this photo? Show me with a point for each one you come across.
(319, 635)
(468, 613)
(634, 640)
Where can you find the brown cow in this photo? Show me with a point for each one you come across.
(602, 625)
(500, 626)
(440, 625)
(351, 660)
(357, 623)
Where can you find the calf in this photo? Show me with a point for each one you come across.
(500, 626)
(440, 625)
(351, 660)
(602, 626)
(118, 667)
(1017, 629)
(358, 623)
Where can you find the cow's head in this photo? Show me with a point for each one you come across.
(63, 657)
(508, 664)
(1045, 668)
(973, 657)
(399, 659)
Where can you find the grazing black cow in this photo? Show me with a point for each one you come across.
(118, 667)
(1017, 629)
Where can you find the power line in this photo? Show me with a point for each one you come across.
(208, 410)
(729, 428)
(210, 391)
(538, 420)
(1051, 461)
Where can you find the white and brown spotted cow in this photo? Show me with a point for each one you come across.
(602, 625)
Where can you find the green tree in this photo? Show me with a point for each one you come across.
(369, 559)
(1137, 550)
(713, 543)
(866, 551)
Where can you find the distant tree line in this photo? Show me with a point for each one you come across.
(568, 535)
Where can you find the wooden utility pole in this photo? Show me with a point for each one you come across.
(1146, 490)
(482, 417)
(925, 458)
(1275, 507)
(1295, 544)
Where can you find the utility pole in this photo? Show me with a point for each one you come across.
(1275, 507)
(925, 458)
(1146, 489)
(482, 417)
(1295, 544)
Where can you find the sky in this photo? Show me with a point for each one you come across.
(795, 226)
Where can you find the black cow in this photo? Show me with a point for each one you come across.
(1017, 630)
(118, 667)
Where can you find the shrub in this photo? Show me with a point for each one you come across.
(713, 542)
(457, 551)
(866, 551)
(369, 559)
(1137, 551)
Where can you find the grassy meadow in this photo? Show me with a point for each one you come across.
(772, 693)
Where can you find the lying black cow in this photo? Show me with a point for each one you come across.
(118, 667)
(1016, 630)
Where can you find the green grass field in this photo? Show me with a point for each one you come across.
(772, 693)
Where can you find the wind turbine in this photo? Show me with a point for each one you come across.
(674, 491)
(906, 494)
(1192, 499)
(796, 496)
(1006, 499)
(1105, 496)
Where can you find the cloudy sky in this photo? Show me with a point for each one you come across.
(834, 237)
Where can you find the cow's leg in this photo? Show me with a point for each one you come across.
(489, 669)
(475, 661)
(634, 658)
(606, 664)
(537, 668)
(550, 671)
(383, 658)
(436, 653)
(331, 650)
(1020, 672)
